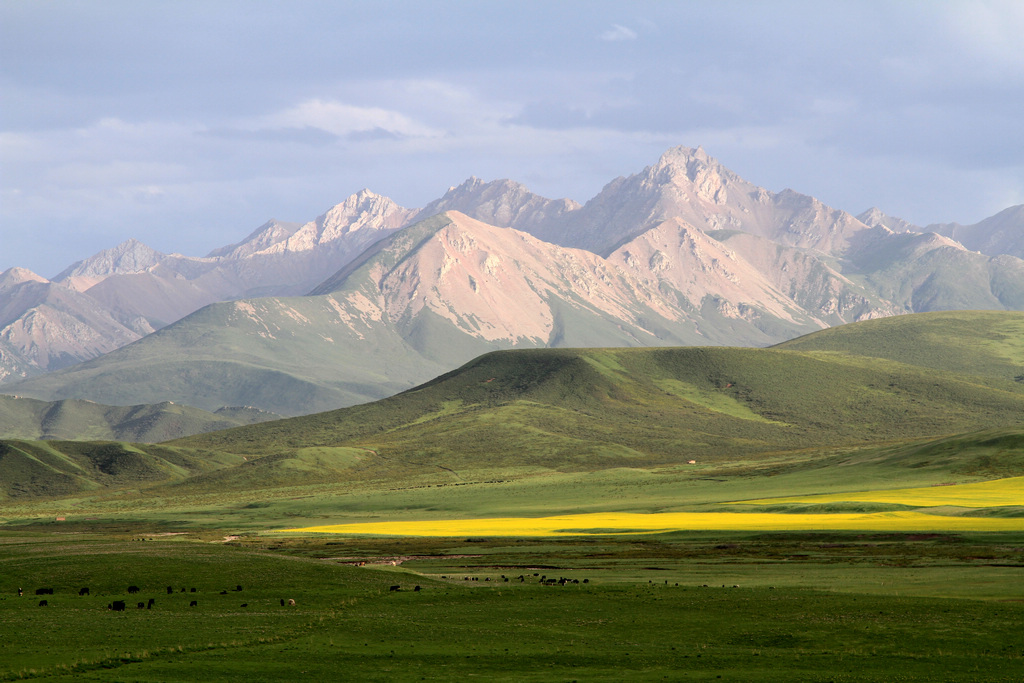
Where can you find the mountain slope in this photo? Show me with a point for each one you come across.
(690, 185)
(26, 418)
(1002, 233)
(39, 469)
(46, 326)
(598, 408)
(988, 344)
(427, 299)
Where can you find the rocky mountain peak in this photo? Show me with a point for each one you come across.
(875, 217)
(504, 203)
(128, 257)
(12, 277)
(267, 235)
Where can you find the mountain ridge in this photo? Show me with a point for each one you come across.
(707, 257)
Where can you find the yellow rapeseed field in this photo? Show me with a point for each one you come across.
(623, 523)
(985, 494)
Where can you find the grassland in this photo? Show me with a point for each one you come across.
(845, 517)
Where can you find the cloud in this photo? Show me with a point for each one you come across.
(315, 137)
(342, 120)
(617, 34)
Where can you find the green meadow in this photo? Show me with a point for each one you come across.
(917, 418)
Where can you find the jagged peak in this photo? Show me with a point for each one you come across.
(358, 204)
(876, 217)
(130, 256)
(271, 232)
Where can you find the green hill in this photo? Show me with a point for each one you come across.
(932, 395)
(596, 408)
(51, 469)
(26, 418)
(987, 344)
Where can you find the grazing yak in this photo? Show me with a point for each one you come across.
(44, 591)
(83, 591)
(43, 603)
(193, 604)
(117, 606)
(133, 589)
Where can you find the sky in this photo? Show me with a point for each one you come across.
(186, 124)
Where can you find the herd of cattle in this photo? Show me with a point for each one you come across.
(122, 605)
(544, 580)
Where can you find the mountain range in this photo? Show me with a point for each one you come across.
(372, 298)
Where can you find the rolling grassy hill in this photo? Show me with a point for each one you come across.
(596, 408)
(27, 418)
(52, 469)
(811, 413)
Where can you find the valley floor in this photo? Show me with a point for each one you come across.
(725, 606)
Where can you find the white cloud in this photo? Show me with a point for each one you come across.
(343, 119)
(618, 33)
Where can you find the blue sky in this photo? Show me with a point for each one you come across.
(188, 124)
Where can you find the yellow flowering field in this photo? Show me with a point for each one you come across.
(631, 523)
(985, 494)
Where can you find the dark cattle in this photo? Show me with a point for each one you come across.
(238, 588)
(133, 589)
(140, 605)
(117, 605)
(282, 602)
(586, 580)
(417, 589)
(191, 590)
(394, 588)
(193, 604)
(182, 590)
(83, 591)
(44, 591)
(43, 603)
(223, 592)
(169, 590)
(245, 604)
(149, 605)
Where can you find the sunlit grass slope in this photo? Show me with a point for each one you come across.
(41, 469)
(815, 419)
(987, 344)
(596, 408)
(27, 418)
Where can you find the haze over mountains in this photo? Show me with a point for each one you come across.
(372, 298)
